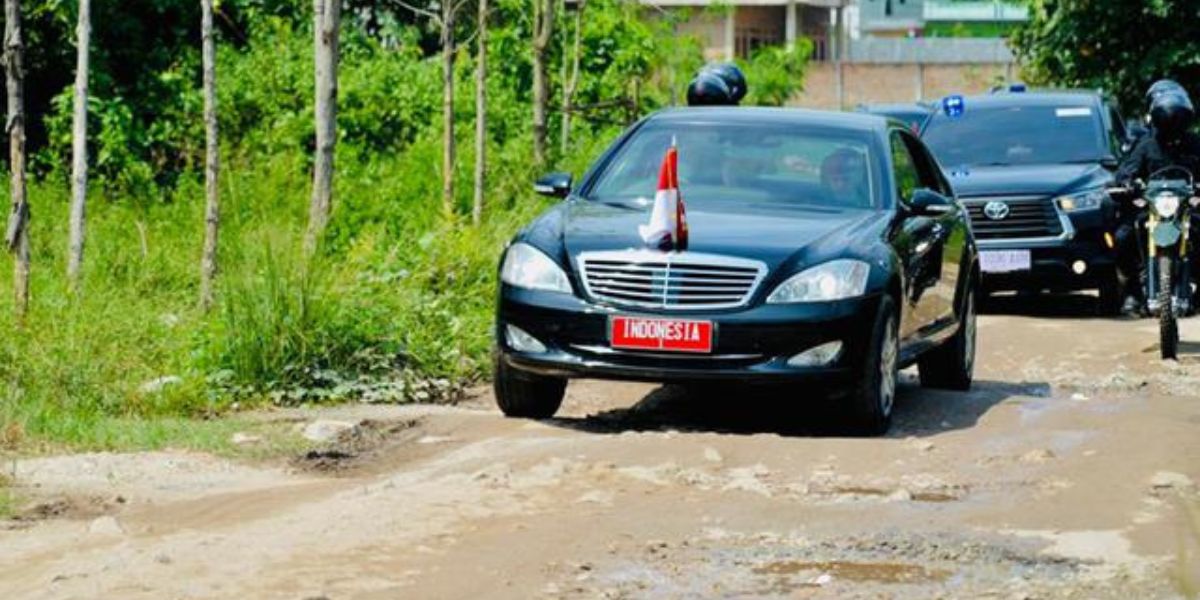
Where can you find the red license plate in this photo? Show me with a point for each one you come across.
(670, 335)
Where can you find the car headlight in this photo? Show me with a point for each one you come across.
(834, 280)
(529, 268)
(1166, 204)
(1082, 200)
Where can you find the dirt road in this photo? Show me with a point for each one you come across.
(1063, 474)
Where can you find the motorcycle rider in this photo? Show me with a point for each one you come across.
(1169, 143)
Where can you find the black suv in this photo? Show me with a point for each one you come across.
(1031, 167)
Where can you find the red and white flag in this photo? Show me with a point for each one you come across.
(668, 228)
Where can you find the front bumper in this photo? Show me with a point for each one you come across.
(1053, 259)
(751, 345)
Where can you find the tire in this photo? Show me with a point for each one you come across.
(1168, 327)
(874, 395)
(526, 395)
(952, 365)
(1110, 296)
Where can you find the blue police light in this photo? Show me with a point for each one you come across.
(954, 106)
(1017, 87)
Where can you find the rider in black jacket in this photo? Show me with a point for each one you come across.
(1168, 144)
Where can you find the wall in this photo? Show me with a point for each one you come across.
(874, 83)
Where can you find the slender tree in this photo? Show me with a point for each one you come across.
(326, 21)
(212, 165)
(543, 31)
(445, 19)
(79, 156)
(480, 115)
(572, 84)
(17, 235)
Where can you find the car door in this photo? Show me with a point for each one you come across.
(921, 242)
(950, 236)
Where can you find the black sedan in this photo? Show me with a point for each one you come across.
(821, 248)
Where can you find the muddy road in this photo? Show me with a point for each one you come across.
(1066, 473)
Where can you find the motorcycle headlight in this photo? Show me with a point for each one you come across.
(527, 267)
(834, 280)
(1166, 204)
(1082, 200)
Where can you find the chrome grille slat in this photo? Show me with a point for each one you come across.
(1028, 217)
(685, 280)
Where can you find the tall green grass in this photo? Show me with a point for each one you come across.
(397, 292)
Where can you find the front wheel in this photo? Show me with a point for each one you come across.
(520, 394)
(1168, 327)
(871, 400)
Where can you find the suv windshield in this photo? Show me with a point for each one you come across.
(1016, 135)
(769, 162)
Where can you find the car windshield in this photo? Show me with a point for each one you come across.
(769, 162)
(1015, 135)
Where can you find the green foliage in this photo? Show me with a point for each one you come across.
(1119, 46)
(776, 73)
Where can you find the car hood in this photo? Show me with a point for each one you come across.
(1039, 180)
(771, 234)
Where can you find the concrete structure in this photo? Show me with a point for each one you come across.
(740, 27)
(891, 18)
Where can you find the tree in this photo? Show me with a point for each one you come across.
(1121, 47)
(572, 84)
(79, 155)
(445, 20)
(326, 21)
(480, 115)
(543, 31)
(17, 235)
(212, 207)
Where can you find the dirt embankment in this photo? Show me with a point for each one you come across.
(1065, 473)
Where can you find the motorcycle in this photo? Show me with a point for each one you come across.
(1168, 199)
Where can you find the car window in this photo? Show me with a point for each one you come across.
(904, 168)
(1117, 134)
(928, 173)
(1067, 132)
(746, 162)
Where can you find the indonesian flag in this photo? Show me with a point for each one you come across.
(668, 228)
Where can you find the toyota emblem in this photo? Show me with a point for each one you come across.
(996, 210)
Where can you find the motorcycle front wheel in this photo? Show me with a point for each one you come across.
(1168, 327)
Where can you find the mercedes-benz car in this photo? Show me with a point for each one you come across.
(825, 251)
(1031, 167)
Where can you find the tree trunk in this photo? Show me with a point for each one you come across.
(17, 235)
(326, 20)
(480, 116)
(79, 157)
(212, 165)
(572, 84)
(543, 30)
(448, 11)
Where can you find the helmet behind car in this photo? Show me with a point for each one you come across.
(1162, 86)
(720, 84)
(1172, 113)
(733, 77)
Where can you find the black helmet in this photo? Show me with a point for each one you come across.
(1171, 113)
(709, 89)
(733, 78)
(1161, 86)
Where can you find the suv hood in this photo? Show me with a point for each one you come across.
(770, 234)
(1031, 180)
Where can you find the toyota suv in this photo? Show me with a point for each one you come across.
(1031, 167)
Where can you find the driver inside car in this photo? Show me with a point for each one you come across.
(844, 175)
(1169, 144)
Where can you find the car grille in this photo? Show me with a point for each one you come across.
(687, 280)
(1028, 217)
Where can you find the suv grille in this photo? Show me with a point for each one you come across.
(1028, 217)
(685, 280)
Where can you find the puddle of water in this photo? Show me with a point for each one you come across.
(919, 496)
(856, 571)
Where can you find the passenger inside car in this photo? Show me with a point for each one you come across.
(844, 175)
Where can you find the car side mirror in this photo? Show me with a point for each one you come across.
(554, 185)
(928, 203)
(1110, 162)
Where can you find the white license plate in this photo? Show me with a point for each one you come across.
(1004, 261)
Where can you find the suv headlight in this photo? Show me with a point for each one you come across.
(1166, 204)
(527, 267)
(1082, 200)
(834, 280)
